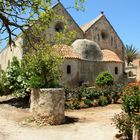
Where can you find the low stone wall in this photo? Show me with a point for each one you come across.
(48, 103)
(136, 134)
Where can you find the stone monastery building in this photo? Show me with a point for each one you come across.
(97, 48)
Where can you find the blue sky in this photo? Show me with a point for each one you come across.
(122, 14)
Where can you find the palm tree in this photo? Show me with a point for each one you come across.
(131, 53)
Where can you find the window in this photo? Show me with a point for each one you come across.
(130, 74)
(111, 41)
(59, 27)
(104, 35)
(68, 69)
(116, 70)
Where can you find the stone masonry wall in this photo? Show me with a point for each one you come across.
(103, 33)
(48, 103)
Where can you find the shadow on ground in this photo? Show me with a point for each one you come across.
(69, 120)
(18, 102)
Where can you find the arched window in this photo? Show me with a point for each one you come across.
(116, 70)
(104, 35)
(59, 27)
(111, 41)
(68, 69)
(130, 74)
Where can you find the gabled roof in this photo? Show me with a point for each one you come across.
(110, 56)
(60, 4)
(86, 26)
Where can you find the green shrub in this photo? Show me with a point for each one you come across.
(131, 103)
(116, 92)
(75, 104)
(92, 93)
(35, 81)
(124, 123)
(44, 67)
(103, 101)
(104, 78)
(88, 102)
(15, 79)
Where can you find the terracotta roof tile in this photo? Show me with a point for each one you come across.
(67, 51)
(110, 56)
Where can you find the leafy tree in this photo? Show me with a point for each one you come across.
(131, 54)
(21, 14)
(43, 66)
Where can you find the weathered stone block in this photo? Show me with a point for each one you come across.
(48, 103)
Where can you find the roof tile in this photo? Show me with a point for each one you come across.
(110, 56)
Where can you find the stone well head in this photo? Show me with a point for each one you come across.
(87, 49)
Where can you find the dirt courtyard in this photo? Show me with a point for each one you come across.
(92, 124)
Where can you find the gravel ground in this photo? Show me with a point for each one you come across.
(92, 124)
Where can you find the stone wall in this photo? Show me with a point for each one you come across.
(72, 78)
(84, 70)
(136, 63)
(7, 54)
(89, 70)
(48, 103)
(103, 33)
(72, 25)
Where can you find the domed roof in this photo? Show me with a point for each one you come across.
(110, 56)
(87, 49)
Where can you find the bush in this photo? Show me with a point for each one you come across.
(15, 79)
(92, 93)
(103, 101)
(43, 66)
(131, 106)
(104, 78)
(75, 104)
(124, 123)
(131, 102)
(88, 102)
(116, 92)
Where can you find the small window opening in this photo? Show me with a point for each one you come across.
(116, 70)
(59, 27)
(130, 74)
(111, 41)
(104, 35)
(68, 69)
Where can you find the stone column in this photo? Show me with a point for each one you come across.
(48, 103)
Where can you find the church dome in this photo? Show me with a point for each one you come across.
(87, 49)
